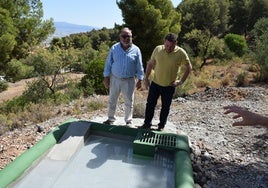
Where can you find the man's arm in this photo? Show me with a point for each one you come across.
(188, 68)
(150, 66)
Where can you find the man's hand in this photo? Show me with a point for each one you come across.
(138, 85)
(106, 82)
(248, 118)
(176, 83)
(147, 83)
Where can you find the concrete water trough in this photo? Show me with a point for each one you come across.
(90, 154)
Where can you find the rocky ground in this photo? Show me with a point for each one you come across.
(222, 156)
(225, 156)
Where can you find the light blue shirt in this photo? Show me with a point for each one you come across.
(124, 64)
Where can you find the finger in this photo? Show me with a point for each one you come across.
(138, 87)
(232, 108)
(227, 112)
(237, 116)
(238, 123)
(229, 107)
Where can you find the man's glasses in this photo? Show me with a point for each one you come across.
(126, 36)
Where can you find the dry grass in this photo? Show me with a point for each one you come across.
(218, 76)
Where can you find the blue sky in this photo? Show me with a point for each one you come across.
(101, 13)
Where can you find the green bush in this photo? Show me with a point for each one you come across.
(73, 91)
(3, 86)
(92, 82)
(260, 49)
(17, 70)
(15, 105)
(218, 49)
(236, 44)
(37, 91)
(87, 86)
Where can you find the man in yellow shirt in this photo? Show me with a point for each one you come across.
(165, 61)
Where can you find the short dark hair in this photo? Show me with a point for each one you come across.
(125, 29)
(171, 37)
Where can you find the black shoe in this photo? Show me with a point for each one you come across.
(144, 126)
(160, 127)
(129, 123)
(108, 122)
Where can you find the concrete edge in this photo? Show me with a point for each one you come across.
(17, 167)
(72, 140)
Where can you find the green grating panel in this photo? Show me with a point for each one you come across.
(147, 141)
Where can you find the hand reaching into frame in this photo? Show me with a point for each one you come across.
(248, 118)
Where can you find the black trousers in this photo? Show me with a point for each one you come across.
(166, 94)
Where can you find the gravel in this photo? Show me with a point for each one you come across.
(222, 155)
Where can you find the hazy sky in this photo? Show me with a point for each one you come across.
(101, 13)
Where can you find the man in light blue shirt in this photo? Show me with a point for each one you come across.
(123, 67)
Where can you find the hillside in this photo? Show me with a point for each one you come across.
(64, 29)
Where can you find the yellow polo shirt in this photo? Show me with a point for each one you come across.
(167, 65)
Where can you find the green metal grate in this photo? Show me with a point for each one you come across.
(146, 142)
(157, 139)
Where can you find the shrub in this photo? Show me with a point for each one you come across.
(17, 70)
(36, 92)
(95, 104)
(236, 44)
(241, 79)
(260, 33)
(219, 49)
(37, 113)
(3, 86)
(15, 105)
(225, 81)
(92, 82)
(87, 85)
(5, 122)
(261, 56)
(73, 91)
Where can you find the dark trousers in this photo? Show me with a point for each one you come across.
(155, 91)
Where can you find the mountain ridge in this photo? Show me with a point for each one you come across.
(65, 28)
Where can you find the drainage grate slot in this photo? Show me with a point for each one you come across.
(147, 141)
(166, 140)
(158, 139)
